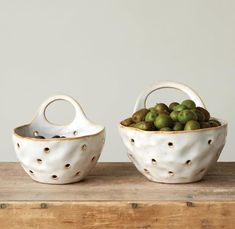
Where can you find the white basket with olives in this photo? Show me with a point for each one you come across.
(58, 154)
(176, 143)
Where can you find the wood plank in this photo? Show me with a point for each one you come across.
(117, 182)
(105, 215)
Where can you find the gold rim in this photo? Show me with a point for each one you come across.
(54, 139)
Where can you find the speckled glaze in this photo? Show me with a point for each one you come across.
(59, 160)
(176, 156)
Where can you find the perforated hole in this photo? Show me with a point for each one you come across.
(47, 150)
(209, 142)
(55, 177)
(18, 145)
(35, 133)
(39, 161)
(154, 162)
(84, 147)
(67, 166)
(77, 174)
(188, 162)
(171, 173)
(92, 159)
(31, 171)
(132, 141)
(170, 144)
(75, 133)
(146, 171)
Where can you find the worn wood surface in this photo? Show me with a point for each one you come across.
(116, 195)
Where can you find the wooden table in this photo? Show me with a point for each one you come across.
(115, 195)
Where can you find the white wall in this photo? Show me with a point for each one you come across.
(105, 52)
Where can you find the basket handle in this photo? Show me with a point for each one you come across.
(80, 118)
(141, 100)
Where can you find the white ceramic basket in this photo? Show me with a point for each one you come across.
(176, 156)
(59, 160)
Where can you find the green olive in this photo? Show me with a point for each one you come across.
(174, 115)
(145, 126)
(127, 122)
(200, 115)
(39, 137)
(152, 109)
(132, 125)
(214, 123)
(186, 115)
(215, 120)
(189, 103)
(56, 136)
(163, 120)
(139, 115)
(160, 107)
(178, 126)
(205, 112)
(204, 125)
(173, 105)
(192, 125)
(151, 116)
(166, 129)
(180, 107)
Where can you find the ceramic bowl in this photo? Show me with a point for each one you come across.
(176, 156)
(59, 160)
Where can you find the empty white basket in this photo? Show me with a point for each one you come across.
(59, 160)
(175, 156)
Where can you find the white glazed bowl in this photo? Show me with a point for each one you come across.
(59, 160)
(176, 156)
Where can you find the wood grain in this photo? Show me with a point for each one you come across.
(116, 181)
(133, 215)
(116, 195)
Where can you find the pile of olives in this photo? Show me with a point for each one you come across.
(176, 117)
(42, 137)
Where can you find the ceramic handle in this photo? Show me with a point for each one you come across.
(79, 119)
(141, 101)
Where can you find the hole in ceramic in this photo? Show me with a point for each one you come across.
(188, 162)
(67, 166)
(18, 145)
(77, 173)
(55, 177)
(171, 173)
(75, 133)
(84, 147)
(31, 171)
(170, 144)
(146, 171)
(209, 142)
(132, 141)
(154, 162)
(39, 161)
(92, 159)
(35, 133)
(46, 150)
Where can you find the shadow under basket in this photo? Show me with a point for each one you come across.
(173, 156)
(59, 154)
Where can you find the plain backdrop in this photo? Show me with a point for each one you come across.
(104, 53)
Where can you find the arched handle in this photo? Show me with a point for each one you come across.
(141, 101)
(80, 118)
